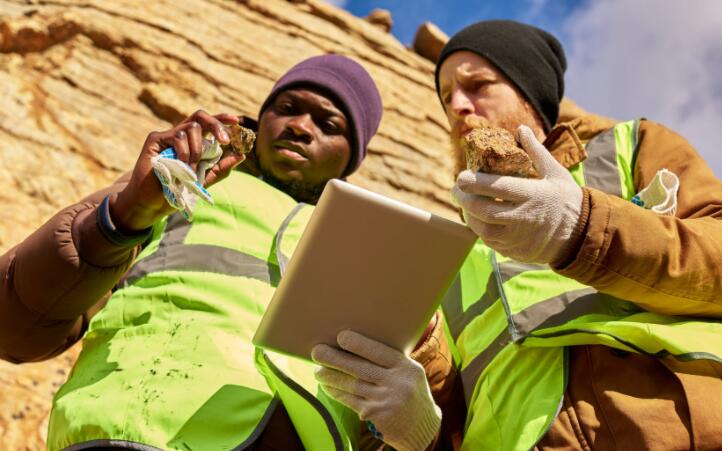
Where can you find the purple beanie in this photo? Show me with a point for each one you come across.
(351, 85)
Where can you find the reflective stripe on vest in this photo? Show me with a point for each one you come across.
(170, 349)
(511, 321)
(208, 258)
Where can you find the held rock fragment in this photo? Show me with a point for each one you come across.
(242, 139)
(494, 150)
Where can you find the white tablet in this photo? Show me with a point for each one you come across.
(367, 263)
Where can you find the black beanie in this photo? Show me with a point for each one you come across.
(530, 57)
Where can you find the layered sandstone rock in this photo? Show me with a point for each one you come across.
(429, 40)
(381, 18)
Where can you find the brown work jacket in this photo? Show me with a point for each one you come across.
(671, 265)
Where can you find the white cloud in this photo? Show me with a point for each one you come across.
(534, 9)
(661, 60)
(338, 3)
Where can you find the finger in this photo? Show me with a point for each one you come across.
(180, 144)
(347, 362)
(195, 141)
(371, 350)
(502, 187)
(225, 165)
(540, 156)
(493, 235)
(213, 125)
(228, 119)
(342, 381)
(485, 208)
(156, 142)
(351, 401)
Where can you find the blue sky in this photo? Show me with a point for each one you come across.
(456, 14)
(626, 58)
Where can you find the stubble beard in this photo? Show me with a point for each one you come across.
(301, 191)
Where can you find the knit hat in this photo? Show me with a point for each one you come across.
(349, 83)
(530, 57)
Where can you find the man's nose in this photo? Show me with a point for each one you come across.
(460, 105)
(300, 126)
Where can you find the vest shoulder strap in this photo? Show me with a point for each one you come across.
(609, 166)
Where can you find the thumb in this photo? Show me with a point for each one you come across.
(223, 168)
(543, 160)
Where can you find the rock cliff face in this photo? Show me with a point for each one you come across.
(84, 81)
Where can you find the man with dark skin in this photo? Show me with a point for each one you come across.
(303, 141)
(167, 362)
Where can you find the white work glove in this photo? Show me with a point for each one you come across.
(529, 220)
(660, 195)
(383, 386)
(181, 186)
(212, 153)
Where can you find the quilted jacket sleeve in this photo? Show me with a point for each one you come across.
(50, 282)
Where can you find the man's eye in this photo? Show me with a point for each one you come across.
(446, 98)
(330, 127)
(284, 107)
(480, 84)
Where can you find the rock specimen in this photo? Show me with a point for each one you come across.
(242, 139)
(495, 151)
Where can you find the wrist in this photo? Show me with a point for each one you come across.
(112, 233)
(130, 216)
(425, 432)
(574, 244)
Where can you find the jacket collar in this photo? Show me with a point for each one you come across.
(567, 139)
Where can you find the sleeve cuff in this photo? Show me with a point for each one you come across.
(426, 348)
(112, 234)
(577, 238)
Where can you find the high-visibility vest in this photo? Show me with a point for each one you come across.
(511, 322)
(169, 362)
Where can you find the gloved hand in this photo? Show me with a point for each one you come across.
(211, 154)
(529, 220)
(383, 386)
